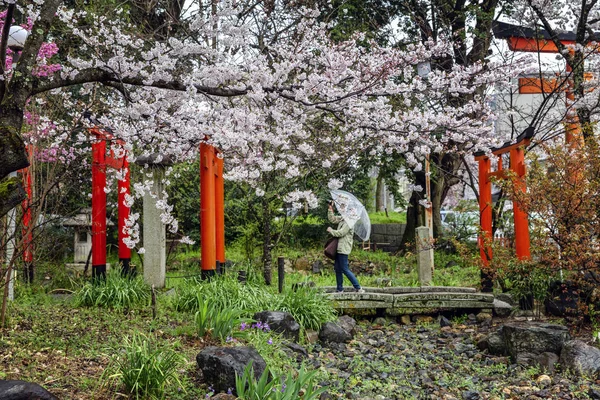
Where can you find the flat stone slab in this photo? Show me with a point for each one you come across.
(404, 289)
(426, 297)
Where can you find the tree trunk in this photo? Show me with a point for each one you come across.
(267, 262)
(11, 194)
(380, 193)
(437, 198)
(414, 215)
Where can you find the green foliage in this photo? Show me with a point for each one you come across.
(146, 367)
(224, 292)
(184, 196)
(302, 386)
(391, 218)
(215, 322)
(308, 307)
(307, 231)
(525, 277)
(114, 292)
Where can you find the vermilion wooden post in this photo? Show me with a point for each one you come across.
(27, 223)
(521, 221)
(573, 135)
(485, 215)
(208, 210)
(124, 189)
(98, 206)
(220, 208)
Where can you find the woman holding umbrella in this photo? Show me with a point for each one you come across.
(345, 233)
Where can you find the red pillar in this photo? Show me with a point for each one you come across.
(124, 189)
(517, 165)
(27, 223)
(220, 208)
(207, 210)
(485, 215)
(98, 207)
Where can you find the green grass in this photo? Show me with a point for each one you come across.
(391, 217)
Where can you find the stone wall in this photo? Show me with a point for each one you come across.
(387, 233)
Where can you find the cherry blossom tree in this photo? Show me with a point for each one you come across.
(267, 86)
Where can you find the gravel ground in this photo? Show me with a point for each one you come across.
(389, 360)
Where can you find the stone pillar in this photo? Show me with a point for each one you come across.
(424, 256)
(154, 232)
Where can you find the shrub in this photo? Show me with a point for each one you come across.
(114, 292)
(145, 367)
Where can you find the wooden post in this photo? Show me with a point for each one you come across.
(98, 207)
(281, 273)
(485, 216)
(485, 211)
(27, 230)
(123, 191)
(517, 165)
(219, 208)
(207, 210)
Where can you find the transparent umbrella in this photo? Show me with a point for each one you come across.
(353, 212)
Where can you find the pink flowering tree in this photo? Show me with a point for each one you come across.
(275, 101)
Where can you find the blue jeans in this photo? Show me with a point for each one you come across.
(340, 267)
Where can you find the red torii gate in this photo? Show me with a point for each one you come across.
(521, 221)
(540, 41)
(99, 163)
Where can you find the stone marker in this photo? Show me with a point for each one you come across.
(424, 256)
(155, 257)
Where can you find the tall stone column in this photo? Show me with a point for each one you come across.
(154, 232)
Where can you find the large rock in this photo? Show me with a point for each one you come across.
(580, 358)
(534, 338)
(332, 332)
(524, 340)
(21, 390)
(219, 365)
(295, 351)
(347, 323)
(280, 322)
